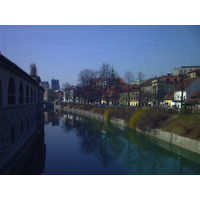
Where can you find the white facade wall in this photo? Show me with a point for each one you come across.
(187, 93)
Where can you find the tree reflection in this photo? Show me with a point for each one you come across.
(95, 139)
(137, 153)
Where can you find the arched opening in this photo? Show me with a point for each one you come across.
(27, 94)
(0, 94)
(21, 93)
(12, 134)
(11, 92)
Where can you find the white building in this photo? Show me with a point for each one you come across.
(184, 69)
(190, 86)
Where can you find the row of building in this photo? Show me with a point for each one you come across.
(171, 90)
(54, 84)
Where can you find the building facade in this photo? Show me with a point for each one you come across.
(55, 84)
(44, 84)
(184, 70)
(183, 94)
(21, 103)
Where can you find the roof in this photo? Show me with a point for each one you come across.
(131, 88)
(186, 83)
(170, 79)
(14, 68)
(147, 82)
(169, 96)
(194, 70)
(99, 80)
(194, 99)
(190, 66)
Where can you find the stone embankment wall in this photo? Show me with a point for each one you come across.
(171, 138)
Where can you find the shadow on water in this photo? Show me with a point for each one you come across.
(135, 152)
(23, 152)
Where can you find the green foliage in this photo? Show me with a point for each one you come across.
(144, 118)
(133, 122)
(108, 111)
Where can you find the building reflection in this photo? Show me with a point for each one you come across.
(53, 117)
(25, 154)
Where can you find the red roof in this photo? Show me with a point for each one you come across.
(186, 83)
(147, 82)
(194, 99)
(171, 79)
(131, 88)
(169, 96)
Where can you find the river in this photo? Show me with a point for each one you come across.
(77, 145)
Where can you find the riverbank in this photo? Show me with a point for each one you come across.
(147, 121)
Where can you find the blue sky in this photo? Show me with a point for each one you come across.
(61, 52)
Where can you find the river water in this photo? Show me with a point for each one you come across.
(77, 145)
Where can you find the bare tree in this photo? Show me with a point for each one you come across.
(107, 72)
(129, 78)
(109, 77)
(86, 75)
(68, 92)
(140, 76)
(84, 79)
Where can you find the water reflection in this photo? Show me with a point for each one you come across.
(22, 148)
(135, 153)
(52, 117)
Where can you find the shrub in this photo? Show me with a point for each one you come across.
(108, 111)
(133, 122)
(153, 119)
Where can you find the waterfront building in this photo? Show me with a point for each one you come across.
(184, 70)
(186, 89)
(21, 104)
(55, 84)
(129, 95)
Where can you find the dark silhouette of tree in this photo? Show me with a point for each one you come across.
(129, 78)
(84, 79)
(140, 76)
(68, 92)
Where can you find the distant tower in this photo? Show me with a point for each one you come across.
(55, 84)
(33, 73)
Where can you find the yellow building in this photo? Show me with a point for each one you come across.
(168, 99)
(130, 95)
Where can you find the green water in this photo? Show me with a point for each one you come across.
(77, 145)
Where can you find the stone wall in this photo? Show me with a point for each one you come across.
(171, 138)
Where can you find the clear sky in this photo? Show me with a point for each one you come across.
(61, 52)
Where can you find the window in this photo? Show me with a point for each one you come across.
(0, 93)
(27, 94)
(21, 93)
(11, 92)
